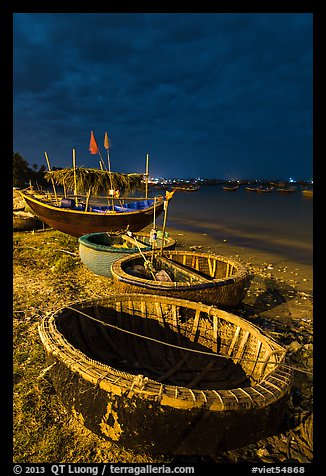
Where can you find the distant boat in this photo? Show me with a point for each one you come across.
(287, 189)
(231, 188)
(190, 188)
(307, 193)
(265, 189)
(252, 189)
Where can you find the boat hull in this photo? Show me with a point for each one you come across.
(142, 412)
(78, 223)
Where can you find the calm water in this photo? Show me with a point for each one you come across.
(273, 221)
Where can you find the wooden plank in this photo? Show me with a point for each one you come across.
(242, 345)
(214, 267)
(258, 349)
(133, 241)
(215, 330)
(235, 338)
(118, 309)
(179, 267)
(185, 354)
(210, 266)
(202, 374)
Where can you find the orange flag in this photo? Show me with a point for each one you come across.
(106, 141)
(93, 145)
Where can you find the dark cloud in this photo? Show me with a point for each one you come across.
(204, 94)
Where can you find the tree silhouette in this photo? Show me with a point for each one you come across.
(23, 174)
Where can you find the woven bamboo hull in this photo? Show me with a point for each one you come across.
(225, 285)
(97, 252)
(151, 396)
(78, 223)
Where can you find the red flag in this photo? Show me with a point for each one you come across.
(93, 145)
(106, 141)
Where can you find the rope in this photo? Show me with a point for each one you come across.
(196, 351)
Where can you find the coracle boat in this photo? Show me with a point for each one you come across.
(167, 376)
(25, 221)
(98, 251)
(65, 215)
(205, 277)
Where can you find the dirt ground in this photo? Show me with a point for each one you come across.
(48, 274)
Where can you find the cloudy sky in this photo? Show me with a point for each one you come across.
(209, 95)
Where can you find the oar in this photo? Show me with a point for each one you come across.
(147, 263)
(166, 204)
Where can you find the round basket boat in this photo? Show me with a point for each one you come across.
(166, 376)
(98, 251)
(204, 277)
(25, 221)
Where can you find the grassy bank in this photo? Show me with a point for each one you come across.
(48, 274)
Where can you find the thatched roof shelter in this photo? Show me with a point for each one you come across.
(94, 181)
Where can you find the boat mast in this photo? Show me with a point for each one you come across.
(49, 167)
(146, 173)
(75, 179)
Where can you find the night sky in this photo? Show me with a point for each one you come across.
(206, 95)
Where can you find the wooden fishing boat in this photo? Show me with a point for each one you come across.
(25, 221)
(251, 189)
(264, 189)
(287, 189)
(167, 376)
(308, 193)
(190, 188)
(205, 277)
(65, 215)
(98, 251)
(231, 188)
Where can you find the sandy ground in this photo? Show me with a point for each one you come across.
(279, 300)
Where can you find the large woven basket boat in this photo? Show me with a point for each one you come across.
(204, 277)
(98, 251)
(167, 376)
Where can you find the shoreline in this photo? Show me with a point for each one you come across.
(296, 268)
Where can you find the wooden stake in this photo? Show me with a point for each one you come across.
(88, 194)
(146, 173)
(53, 185)
(75, 179)
(166, 204)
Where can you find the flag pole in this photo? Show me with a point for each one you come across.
(50, 170)
(93, 148)
(107, 147)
